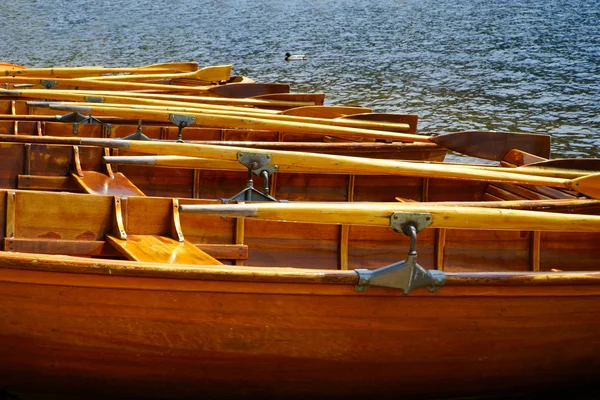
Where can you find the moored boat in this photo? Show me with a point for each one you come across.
(139, 301)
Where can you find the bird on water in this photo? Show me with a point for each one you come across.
(291, 57)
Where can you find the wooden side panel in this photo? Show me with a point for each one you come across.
(569, 251)
(11, 155)
(292, 245)
(155, 181)
(456, 190)
(62, 216)
(66, 333)
(229, 183)
(387, 188)
(80, 130)
(374, 247)
(312, 187)
(467, 250)
(3, 210)
(48, 160)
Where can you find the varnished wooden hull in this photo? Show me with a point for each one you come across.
(119, 333)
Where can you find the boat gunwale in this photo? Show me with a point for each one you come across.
(283, 275)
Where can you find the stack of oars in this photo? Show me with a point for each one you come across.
(177, 78)
(123, 94)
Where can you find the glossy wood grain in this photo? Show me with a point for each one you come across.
(70, 333)
(160, 249)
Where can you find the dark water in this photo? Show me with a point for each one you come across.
(525, 65)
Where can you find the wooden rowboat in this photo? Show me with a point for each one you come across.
(98, 293)
(139, 300)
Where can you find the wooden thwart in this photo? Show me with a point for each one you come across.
(98, 183)
(154, 248)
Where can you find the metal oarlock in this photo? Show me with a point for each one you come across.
(77, 118)
(48, 83)
(257, 164)
(404, 275)
(138, 134)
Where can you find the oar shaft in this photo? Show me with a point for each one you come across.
(97, 84)
(180, 67)
(221, 110)
(208, 74)
(223, 121)
(39, 93)
(339, 164)
(125, 102)
(379, 214)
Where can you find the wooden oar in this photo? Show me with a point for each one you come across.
(479, 144)
(98, 96)
(236, 90)
(68, 72)
(215, 73)
(250, 123)
(326, 111)
(379, 214)
(191, 162)
(109, 100)
(275, 117)
(225, 121)
(588, 185)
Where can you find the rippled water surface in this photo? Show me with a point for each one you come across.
(524, 65)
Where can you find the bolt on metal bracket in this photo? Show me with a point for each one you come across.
(181, 121)
(48, 83)
(404, 275)
(257, 163)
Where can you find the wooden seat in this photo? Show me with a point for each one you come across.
(98, 183)
(154, 248)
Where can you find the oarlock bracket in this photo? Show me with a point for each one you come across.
(404, 275)
(257, 164)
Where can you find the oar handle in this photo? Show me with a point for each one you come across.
(381, 214)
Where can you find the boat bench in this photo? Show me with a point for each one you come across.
(85, 231)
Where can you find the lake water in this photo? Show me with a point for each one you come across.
(531, 66)
(513, 65)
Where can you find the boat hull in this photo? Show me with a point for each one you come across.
(120, 334)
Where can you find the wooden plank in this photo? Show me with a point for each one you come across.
(535, 250)
(10, 213)
(38, 182)
(101, 248)
(345, 229)
(225, 251)
(240, 231)
(154, 248)
(440, 245)
(66, 247)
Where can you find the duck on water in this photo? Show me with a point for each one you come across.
(292, 57)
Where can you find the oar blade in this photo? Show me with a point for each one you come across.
(214, 73)
(493, 145)
(317, 99)
(410, 119)
(183, 66)
(588, 185)
(325, 111)
(579, 164)
(244, 90)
